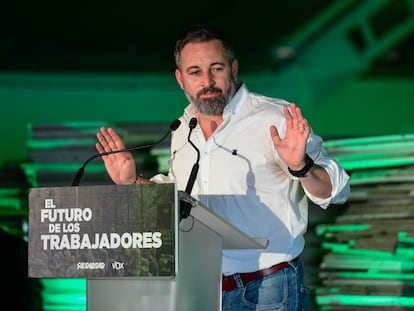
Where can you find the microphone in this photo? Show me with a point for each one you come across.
(185, 206)
(194, 171)
(173, 126)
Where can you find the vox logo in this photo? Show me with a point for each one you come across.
(118, 265)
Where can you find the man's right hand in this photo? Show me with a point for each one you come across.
(120, 166)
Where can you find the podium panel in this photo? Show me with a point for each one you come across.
(200, 257)
(131, 294)
(103, 231)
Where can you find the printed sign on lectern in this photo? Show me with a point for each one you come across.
(103, 231)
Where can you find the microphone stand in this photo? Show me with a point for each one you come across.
(185, 207)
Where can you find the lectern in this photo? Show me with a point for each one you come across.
(131, 246)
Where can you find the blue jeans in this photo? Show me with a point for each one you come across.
(283, 290)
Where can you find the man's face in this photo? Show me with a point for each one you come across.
(206, 76)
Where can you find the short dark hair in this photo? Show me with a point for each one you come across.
(203, 33)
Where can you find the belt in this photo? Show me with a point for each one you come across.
(229, 283)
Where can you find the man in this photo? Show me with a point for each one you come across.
(259, 165)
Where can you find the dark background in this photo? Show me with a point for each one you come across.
(138, 36)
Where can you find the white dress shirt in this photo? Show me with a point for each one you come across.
(242, 179)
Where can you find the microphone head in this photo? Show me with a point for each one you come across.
(193, 123)
(175, 125)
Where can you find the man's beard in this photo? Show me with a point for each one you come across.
(213, 105)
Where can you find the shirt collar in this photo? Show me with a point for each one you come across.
(235, 101)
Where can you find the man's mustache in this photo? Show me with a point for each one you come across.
(209, 90)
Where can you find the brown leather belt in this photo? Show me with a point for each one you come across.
(229, 283)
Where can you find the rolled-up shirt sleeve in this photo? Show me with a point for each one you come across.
(339, 180)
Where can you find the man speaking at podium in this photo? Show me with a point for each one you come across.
(257, 163)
